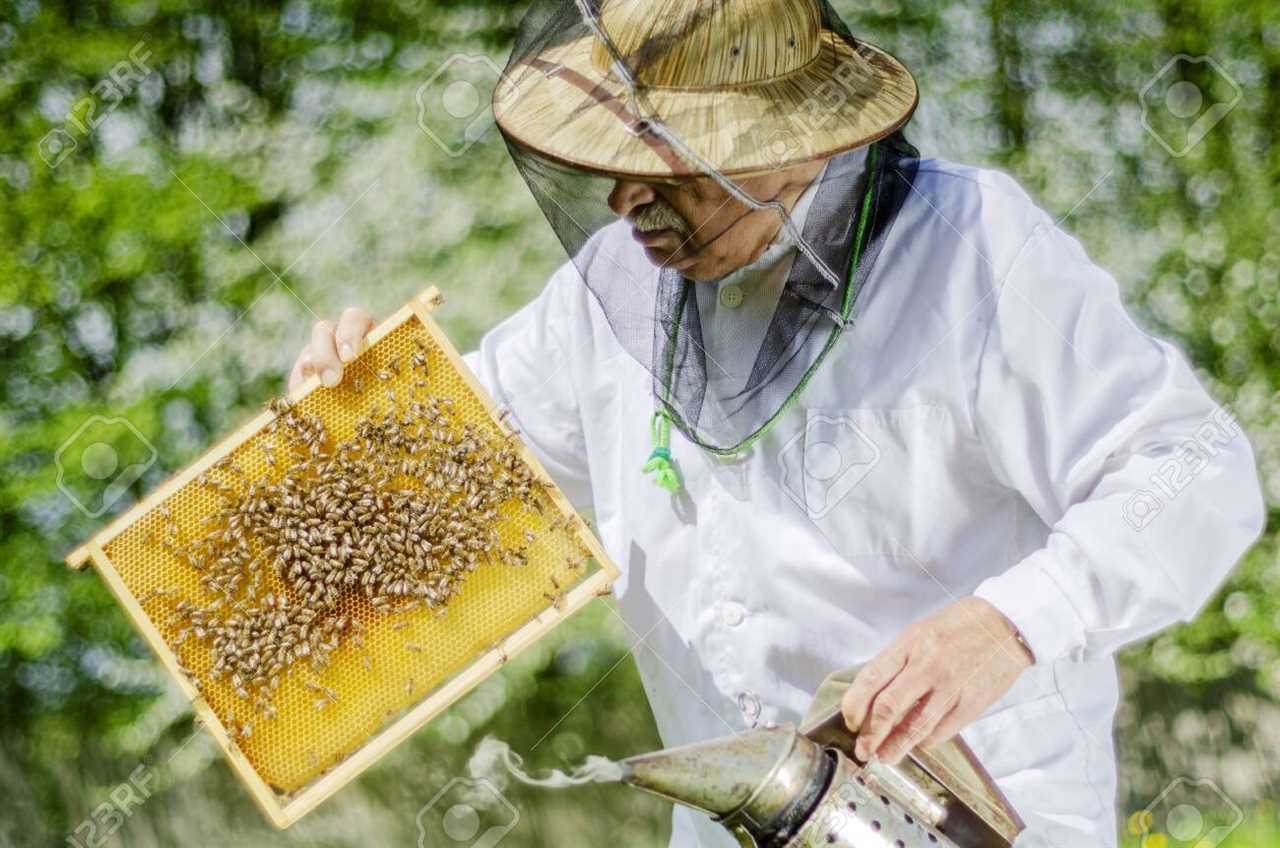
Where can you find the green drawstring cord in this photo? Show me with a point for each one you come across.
(660, 463)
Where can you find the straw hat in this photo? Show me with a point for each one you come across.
(748, 85)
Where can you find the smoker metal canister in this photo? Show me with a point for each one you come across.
(776, 788)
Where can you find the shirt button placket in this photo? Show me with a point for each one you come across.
(730, 613)
(725, 673)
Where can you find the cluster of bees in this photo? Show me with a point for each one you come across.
(395, 516)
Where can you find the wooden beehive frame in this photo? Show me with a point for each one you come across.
(285, 810)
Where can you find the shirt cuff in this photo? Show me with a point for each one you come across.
(1032, 600)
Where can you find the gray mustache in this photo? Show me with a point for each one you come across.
(659, 215)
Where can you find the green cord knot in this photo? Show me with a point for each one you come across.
(663, 470)
(660, 464)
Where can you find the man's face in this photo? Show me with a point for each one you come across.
(696, 227)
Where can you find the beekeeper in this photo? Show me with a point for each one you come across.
(832, 403)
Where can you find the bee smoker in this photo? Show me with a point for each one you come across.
(779, 787)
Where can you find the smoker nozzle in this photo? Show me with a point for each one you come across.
(761, 779)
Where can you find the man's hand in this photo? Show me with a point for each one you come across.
(937, 676)
(331, 347)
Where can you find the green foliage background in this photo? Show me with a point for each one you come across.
(138, 279)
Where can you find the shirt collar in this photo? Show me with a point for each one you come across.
(839, 176)
(827, 221)
(800, 212)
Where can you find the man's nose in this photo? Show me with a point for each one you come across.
(628, 195)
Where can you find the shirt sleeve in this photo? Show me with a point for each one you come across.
(1149, 487)
(525, 364)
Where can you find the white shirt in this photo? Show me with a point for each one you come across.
(994, 424)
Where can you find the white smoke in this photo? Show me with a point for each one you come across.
(494, 761)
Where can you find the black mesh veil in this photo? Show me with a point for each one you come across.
(710, 107)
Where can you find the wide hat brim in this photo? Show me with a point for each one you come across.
(561, 106)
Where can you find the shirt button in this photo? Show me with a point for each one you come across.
(731, 295)
(732, 614)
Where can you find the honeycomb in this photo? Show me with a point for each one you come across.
(405, 656)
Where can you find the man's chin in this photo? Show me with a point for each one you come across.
(658, 258)
(693, 271)
(698, 276)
